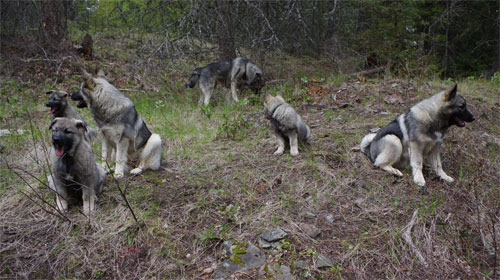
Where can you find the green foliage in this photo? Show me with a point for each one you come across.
(234, 125)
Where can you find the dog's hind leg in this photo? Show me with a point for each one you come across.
(121, 157)
(281, 144)
(150, 155)
(435, 161)
(294, 147)
(207, 88)
(391, 153)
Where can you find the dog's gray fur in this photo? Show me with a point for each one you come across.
(286, 123)
(61, 108)
(124, 133)
(75, 173)
(228, 74)
(417, 135)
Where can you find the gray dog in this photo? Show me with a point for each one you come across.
(286, 123)
(75, 173)
(61, 108)
(228, 74)
(123, 131)
(417, 135)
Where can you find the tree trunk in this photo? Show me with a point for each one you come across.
(225, 33)
(498, 28)
(52, 23)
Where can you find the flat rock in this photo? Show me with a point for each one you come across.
(274, 235)
(264, 244)
(301, 264)
(310, 215)
(276, 271)
(323, 261)
(239, 259)
(311, 230)
(330, 219)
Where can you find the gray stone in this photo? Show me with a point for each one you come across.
(310, 215)
(310, 230)
(276, 271)
(274, 235)
(323, 261)
(264, 244)
(244, 260)
(301, 264)
(330, 219)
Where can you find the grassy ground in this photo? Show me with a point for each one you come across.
(220, 181)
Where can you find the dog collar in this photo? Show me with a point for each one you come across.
(274, 110)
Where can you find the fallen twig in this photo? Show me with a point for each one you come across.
(367, 72)
(407, 236)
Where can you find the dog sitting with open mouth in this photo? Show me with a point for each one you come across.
(75, 173)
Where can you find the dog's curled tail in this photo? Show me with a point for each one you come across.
(365, 144)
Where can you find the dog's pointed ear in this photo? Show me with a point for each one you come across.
(450, 92)
(49, 92)
(53, 122)
(80, 125)
(88, 80)
(101, 74)
(267, 97)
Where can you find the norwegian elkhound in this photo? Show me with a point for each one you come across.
(61, 108)
(417, 135)
(75, 173)
(123, 131)
(286, 123)
(229, 74)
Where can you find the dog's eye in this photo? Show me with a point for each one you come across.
(68, 131)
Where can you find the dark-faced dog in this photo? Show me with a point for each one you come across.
(75, 173)
(229, 74)
(61, 108)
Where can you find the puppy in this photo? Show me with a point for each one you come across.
(75, 173)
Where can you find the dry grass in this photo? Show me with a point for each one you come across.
(213, 188)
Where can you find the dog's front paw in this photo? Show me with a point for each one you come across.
(136, 171)
(419, 180)
(294, 153)
(398, 173)
(446, 178)
(62, 204)
(118, 175)
(278, 152)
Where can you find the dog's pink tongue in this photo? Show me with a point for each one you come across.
(59, 151)
(51, 110)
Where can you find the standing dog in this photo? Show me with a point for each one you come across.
(227, 73)
(61, 108)
(121, 127)
(417, 135)
(286, 123)
(75, 173)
